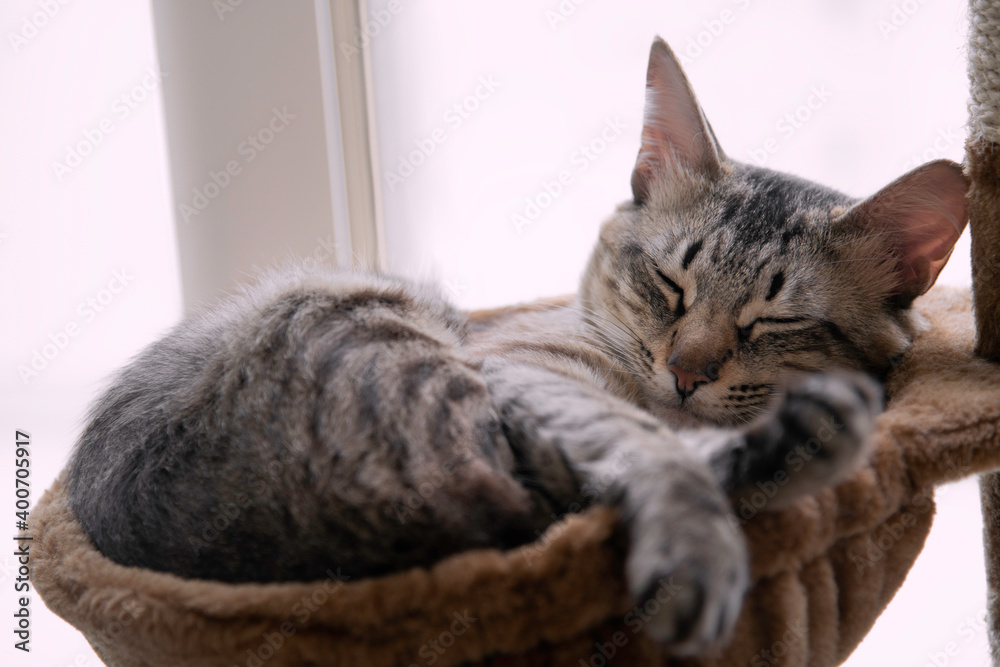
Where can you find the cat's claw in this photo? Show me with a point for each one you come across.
(688, 593)
(819, 433)
(689, 585)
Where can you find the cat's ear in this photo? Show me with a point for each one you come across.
(917, 218)
(676, 137)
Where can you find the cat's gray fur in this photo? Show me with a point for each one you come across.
(326, 420)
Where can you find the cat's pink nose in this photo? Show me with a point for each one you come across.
(688, 381)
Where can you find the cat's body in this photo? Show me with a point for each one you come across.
(334, 420)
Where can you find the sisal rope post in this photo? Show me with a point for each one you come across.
(983, 168)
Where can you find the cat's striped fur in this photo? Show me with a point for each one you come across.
(329, 420)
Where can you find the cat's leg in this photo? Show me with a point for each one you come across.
(683, 549)
(816, 437)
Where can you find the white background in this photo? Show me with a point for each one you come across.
(892, 95)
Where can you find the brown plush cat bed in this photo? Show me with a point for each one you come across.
(823, 569)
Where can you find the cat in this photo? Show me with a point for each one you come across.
(337, 419)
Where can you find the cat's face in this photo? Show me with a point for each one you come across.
(720, 278)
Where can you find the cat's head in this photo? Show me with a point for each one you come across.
(719, 278)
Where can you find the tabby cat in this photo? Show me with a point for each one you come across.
(326, 420)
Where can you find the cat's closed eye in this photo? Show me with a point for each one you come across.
(777, 282)
(678, 291)
(747, 330)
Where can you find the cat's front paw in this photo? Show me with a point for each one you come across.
(818, 435)
(688, 586)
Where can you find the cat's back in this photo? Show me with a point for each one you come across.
(552, 334)
(275, 428)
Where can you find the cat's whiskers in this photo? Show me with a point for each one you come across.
(613, 348)
(609, 332)
(613, 332)
(610, 350)
(741, 414)
(618, 324)
(855, 259)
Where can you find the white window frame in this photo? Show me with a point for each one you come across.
(218, 85)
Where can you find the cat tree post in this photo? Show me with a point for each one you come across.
(983, 167)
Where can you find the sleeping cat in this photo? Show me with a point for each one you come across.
(328, 420)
